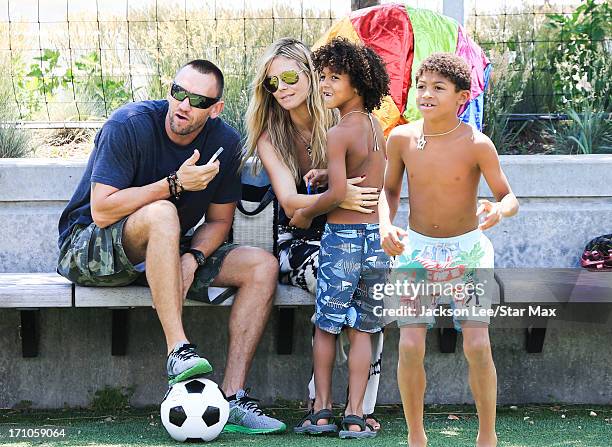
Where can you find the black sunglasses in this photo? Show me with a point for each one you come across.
(289, 77)
(195, 100)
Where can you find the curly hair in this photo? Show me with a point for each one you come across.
(366, 70)
(449, 65)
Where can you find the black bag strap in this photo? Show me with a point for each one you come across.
(265, 201)
(275, 228)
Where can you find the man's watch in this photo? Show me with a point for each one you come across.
(198, 255)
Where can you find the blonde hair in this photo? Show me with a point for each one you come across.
(264, 112)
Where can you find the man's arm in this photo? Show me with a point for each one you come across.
(110, 204)
(215, 230)
(507, 205)
(337, 142)
(207, 238)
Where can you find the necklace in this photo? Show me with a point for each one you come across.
(422, 141)
(306, 143)
(353, 111)
(376, 146)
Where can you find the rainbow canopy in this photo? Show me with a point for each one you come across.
(403, 36)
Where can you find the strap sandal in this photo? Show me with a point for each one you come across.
(375, 419)
(314, 418)
(352, 419)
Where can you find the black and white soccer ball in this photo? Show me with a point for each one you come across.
(194, 410)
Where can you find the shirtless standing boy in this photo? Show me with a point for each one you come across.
(443, 159)
(354, 80)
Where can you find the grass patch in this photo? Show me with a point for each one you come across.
(533, 426)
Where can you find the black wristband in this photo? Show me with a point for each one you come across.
(198, 255)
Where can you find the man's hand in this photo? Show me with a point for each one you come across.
(494, 213)
(194, 177)
(188, 269)
(391, 239)
(299, 220)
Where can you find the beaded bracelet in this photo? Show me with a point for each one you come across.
(175, 185)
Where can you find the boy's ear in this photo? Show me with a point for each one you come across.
(464, 97)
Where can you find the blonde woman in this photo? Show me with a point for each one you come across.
(287, 125)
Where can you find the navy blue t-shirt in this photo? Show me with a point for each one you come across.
(133, 149)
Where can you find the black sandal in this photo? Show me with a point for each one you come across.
(313, 428)
(352, 419)
(372, 416)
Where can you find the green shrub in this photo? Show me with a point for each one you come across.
(581, 61)
(501, 99)
(587, 132)
(14, 143)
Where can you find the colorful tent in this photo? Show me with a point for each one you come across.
(403, 37)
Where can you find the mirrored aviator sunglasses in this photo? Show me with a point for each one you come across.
(195, 100)
(289, 77)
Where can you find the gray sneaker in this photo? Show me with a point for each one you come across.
(246, 416)
(185, 363)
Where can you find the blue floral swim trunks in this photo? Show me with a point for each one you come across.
(351, 265)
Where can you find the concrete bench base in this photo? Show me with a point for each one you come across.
(122, 298)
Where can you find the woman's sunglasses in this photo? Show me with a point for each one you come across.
(289, 77)
(195, 100)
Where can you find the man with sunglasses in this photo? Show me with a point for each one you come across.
(146, 187)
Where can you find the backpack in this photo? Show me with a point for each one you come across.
(597, 254)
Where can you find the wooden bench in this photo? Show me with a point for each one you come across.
(30, 292)
(585, 295)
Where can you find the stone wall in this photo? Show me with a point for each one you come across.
(565, 201)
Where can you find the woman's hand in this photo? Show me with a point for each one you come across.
(300, 220)
(316, 177)
(359, 198)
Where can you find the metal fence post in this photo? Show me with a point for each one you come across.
(358, 4)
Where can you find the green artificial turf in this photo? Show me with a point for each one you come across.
(533, 426)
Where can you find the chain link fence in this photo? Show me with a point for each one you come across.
(71, 62)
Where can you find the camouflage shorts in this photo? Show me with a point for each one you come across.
(94, 256)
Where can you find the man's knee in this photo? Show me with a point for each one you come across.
(258, 268)
(162, 217)
(159, 218)
(267, 265)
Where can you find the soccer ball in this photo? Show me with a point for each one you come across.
(194, 410)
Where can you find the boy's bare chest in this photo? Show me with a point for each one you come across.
(441, 165)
